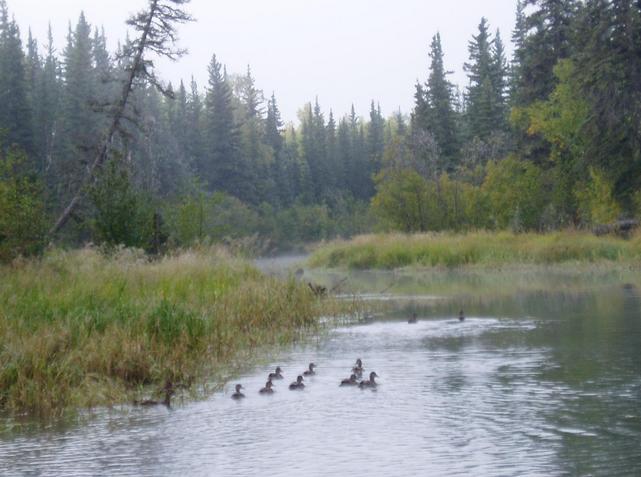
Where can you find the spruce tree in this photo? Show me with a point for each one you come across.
(543, 37)
(15, 113)
(221, 167)
(440, 97)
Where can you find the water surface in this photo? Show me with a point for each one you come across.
(534, 382)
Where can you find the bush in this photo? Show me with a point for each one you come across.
(22, 213)
(122, 215)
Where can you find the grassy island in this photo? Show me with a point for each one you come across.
(389, 251)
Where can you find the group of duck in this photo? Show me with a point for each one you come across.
(355, 379)
(298, 385)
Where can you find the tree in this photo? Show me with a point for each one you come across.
(608, 73)
(157, 34)
(222, 168)
(15, 113)
(434, 111)
(22, 211)
(515, 192)
(122, 216)
(543, 36)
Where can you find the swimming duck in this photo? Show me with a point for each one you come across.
(351, 381)
(267, 389)
(169, 391)
(310, 371)
(461, 316)
(413, 319)
(238, 394)
(298, 384)
(277, 374)
(358, 369)
(370, 383)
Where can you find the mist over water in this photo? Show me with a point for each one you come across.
(532, 383)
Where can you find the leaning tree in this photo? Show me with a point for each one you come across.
(157, 36)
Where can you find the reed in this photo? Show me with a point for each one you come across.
(390, 251)
(80, 329)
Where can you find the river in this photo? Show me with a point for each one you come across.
(543, 379)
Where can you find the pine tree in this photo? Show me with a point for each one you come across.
(15, 113)
(47, 108)
(486, 92)
(375, 137)
(80, 123)
(609, 72)
(196, 150)
(440, 96)
(273, 126)
(542, 38)
(221, 167)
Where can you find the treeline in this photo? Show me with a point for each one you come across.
(201, 162)
(546, 139)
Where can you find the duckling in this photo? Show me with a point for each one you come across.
(358, 369)
(370, 383)
(310, 371)
(238, 395)
(413, 319)
(298, 384)
(461, 316)
(277, 374)
(351, 381)
(267, 389)
(169, 391)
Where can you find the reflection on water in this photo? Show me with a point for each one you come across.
(534, 383)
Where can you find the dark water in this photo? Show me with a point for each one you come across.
(533, 383)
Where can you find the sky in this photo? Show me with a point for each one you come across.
(341, 51)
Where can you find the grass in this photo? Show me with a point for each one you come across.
(391, 251)
(78, 329)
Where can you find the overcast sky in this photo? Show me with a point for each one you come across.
(342, 51)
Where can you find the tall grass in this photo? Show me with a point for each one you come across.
(479, 248)
(78, 329)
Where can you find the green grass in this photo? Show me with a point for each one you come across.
(78, 329)
(390, 251)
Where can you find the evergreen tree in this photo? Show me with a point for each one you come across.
(486, 92)
(80, 124)
(221, 167)
(609, 72)
(542, 38)
(437, 102)
(196, 150)
(46, 108)
(375, 137)
(15, 113)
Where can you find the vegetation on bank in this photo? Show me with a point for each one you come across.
(478, 248)
(80, 329)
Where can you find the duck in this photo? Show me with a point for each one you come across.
(461, 316)
(413, 319)
(277, 374)
(358, 369)
(351, 381)
(370, 383)
(238, 395)
(169, 391)
(268, 388)
(298, 384)
(310, 371)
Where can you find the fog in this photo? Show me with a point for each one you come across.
(344, 52)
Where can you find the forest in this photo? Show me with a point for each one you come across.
(547, 139)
